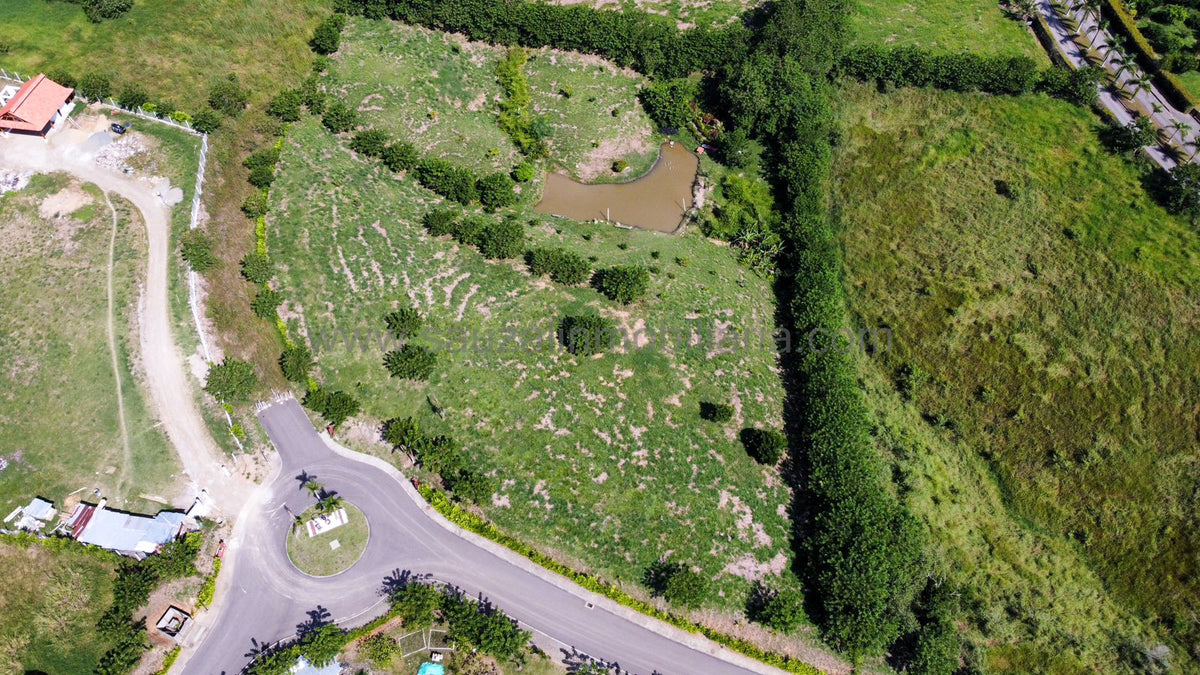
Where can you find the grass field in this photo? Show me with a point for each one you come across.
(60, 417)
(979, 26)
(1052, 427)
(49, 608)
(171, 49)
(604, 459)
(439, 92)
(315, 555)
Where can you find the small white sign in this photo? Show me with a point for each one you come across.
(334, 545)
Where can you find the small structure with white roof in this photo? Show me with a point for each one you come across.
(33, 516)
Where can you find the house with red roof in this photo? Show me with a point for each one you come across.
(36, 107)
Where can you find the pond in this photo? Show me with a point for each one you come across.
(656, 201)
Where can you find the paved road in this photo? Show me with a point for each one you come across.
(1148, 100)
(268, 598)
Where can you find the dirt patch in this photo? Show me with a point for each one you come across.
(600, 159)
(67, 200)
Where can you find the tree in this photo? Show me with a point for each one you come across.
(380, 648)
(329, 503)
(231, 380)
(296, 361)
(257, 268)
(440, 221)
(447, 180)
(502, 239)
(586, 334)
(417, 603)
(99, 10)
(782, 610)
(196, 248)
(676, 583)
(339, 117)
(766, 446)
(266, 302)
(470, 485)
(403, 433)
(337, 407)
(95, 86)
(734, 149)
(132, 97)
(496, 191)
(669, 103)
(716, 412)
(400, 156)
(328, 35)
(561, 265)
(1181, 190)
(402, 323)
(370, 143)
(1179, 127)
(286, 105)
(317, 490)
(1131, 137)
(411, 362)
(322, 645)
(623, 283)
(226, 95)
(206, 121)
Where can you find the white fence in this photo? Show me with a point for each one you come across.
(193, 221)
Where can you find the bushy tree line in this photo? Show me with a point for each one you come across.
(527, 131)
(478, 625)
(440, 454)
(862, 548)
(966, 71)
(649, 43)
(559, 264)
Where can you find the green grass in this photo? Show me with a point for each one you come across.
(684, 12)
(313, 555)
(1052, 449)
(52, 600)
(602, 460)
(439, 92)
(59, 418)
(171, 49)
(946, 25)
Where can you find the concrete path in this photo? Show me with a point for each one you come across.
(1149, 100)
(269, 598)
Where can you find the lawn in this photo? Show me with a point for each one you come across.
(979, 26)
(49, 608)
(60, 418)
(316, 556)
(439, 91)
(603, 460)
(1045, 347)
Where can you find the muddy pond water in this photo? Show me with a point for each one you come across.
(656, 201)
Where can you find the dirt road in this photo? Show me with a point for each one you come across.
(172, 395)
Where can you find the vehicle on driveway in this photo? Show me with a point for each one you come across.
(119, 129)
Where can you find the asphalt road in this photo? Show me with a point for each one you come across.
(269, 599)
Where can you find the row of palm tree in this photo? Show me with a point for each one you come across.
(327, 502)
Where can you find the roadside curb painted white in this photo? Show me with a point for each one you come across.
(692, 640)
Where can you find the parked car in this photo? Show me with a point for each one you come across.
(118, 128)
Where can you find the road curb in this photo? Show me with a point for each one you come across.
(691, 640)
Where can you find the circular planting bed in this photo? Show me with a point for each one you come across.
(322, 546)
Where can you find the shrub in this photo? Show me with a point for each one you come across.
(669, 103)
(380, 648)
(265, 302)
(328, 35)
(716, 412)
(403, 323)
(586, 334)
(471, 486)
(196, 249)
(623, 283)
(1181, 190)
(230, 380)
(734, 149)
(524, 172)
(619, 165)
(447, 180)
(496, 191)
(400, 156)
(502, 239)
(417, 604)
(411, 362)
(440, 221)
(296, 361)
(1077, 86)
(206, 121)
(370, 143)
(339, 117)
(227, 96)
(99, 10)
(286, 105)
(63, 77)
(403, 433)
(766, 446)
(559, 264)
(469, 230)
(1174, 90)
(255, 206)
(782, 610)
(676, 583)
(335, 406)
(95, 86)
(132, 97)
(257, 268)
(1130, 137)
(312, 96)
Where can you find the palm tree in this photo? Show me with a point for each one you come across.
(329, 504)
(1179, 126)
(1140, 83)
(315, 489)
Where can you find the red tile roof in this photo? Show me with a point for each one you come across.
(34, 105)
